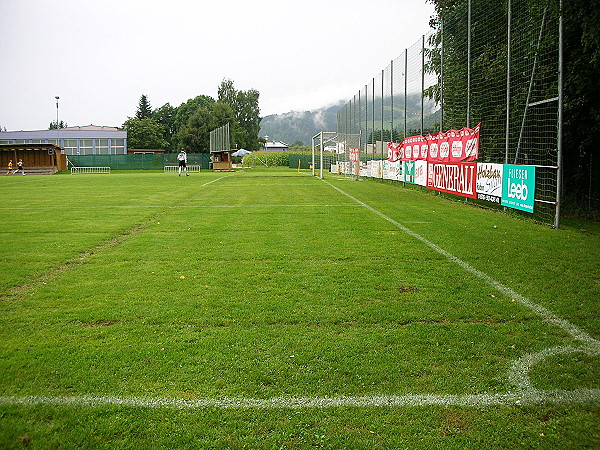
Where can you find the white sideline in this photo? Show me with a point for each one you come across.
(511, 399)
(546, 314)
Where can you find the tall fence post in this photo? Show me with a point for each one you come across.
(442, 76)
(559, 136)
(392, 101)
(508, 55)
(405, 86)
(469, 65)
(422, 84)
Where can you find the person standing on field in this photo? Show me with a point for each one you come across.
(182, 157)
(9, 167)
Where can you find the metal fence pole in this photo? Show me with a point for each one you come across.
(422, 84)
(560, 117)
(382, 126)
(442, 76)
(392, 101)
(373, 120)
(359, 118)
(508, 55)
(469, 65)
(405, 86)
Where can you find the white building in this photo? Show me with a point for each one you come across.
(276, 147)
(86, 140)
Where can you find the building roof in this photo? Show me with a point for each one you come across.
(5, 147)
(85, 132)
(92, 128)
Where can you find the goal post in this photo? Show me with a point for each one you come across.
(329, 151)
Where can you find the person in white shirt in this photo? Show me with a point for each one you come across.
(182, 158)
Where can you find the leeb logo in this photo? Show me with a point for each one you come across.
(518, 187)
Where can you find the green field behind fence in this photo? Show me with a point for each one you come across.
(267, 308)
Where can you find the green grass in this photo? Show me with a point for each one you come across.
(271, 284)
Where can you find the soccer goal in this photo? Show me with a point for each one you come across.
(191, 168)
(76, 170)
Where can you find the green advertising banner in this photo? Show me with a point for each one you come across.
(518, 187)
(409, 171)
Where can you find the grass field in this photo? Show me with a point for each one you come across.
(272, 309)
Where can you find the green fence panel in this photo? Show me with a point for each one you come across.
(139, 161)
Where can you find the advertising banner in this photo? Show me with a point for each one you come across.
(518, 187)
(395, 171)
(451, 146)
(454, 178)
(408, 168)
(489, 182)
(393, 152)
(421, 173)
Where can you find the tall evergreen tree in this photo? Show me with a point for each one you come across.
(144, 110)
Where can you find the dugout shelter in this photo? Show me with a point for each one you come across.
(40, 159)
(221, 159)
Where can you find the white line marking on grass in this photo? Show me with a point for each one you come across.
(519, 372)
(525, 394)
(547, 315)
(230, 206)
(215, 180)
(522, 398)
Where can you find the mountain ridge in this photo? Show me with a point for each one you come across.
(300, 126)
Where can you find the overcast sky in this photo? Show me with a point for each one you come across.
(100, 56)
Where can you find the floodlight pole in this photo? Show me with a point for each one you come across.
(57, 127)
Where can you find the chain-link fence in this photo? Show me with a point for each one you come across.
(494, 62)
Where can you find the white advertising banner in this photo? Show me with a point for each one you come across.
(421, 173)
(489, 182)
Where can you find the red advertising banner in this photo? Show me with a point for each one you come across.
(455, 178)
(452, 146)
(394, 152)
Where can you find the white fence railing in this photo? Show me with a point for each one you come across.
(75, 170)
(191, 168)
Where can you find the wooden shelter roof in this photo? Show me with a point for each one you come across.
(29, 147)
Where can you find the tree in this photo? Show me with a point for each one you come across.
(144, 133)
(187, 109)
(55, 126)
(194, 136)
(144, 110)
(247, 113)
(581, 106)
(165, 117)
